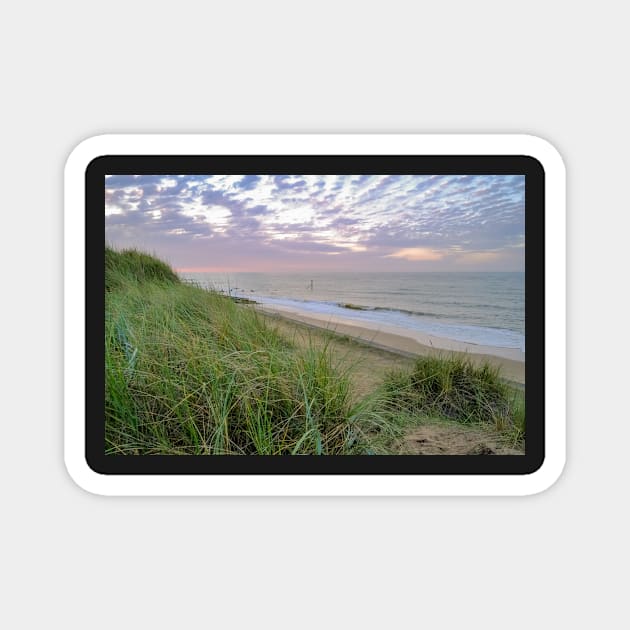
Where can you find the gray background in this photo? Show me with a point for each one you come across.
(72, 70)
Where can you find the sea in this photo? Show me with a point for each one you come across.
(485, 308)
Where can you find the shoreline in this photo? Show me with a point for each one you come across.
(405, 342)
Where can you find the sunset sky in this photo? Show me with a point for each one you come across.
(280, 223)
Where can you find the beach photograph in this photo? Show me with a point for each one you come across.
(315, 314)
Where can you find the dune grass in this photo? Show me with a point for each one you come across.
(189, 371)
(134, 266)
(454, 388)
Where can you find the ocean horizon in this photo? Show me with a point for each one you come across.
(484, 308)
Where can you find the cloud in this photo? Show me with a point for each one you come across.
(248, 182)
(416, 254)
(402, 218)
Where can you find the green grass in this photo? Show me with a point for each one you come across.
(454, 388)
(189, 371)
(133, 266)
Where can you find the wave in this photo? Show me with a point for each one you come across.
(387, 309)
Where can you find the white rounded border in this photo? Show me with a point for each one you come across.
(312, 144)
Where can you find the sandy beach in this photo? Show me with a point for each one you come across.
(409, 343)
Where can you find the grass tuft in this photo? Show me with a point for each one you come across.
(133, 266)
(455, 388)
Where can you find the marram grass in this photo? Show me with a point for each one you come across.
(454, 388)
(190, 372)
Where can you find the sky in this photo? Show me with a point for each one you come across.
(276, 223)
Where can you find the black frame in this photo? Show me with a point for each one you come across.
(528, 166)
